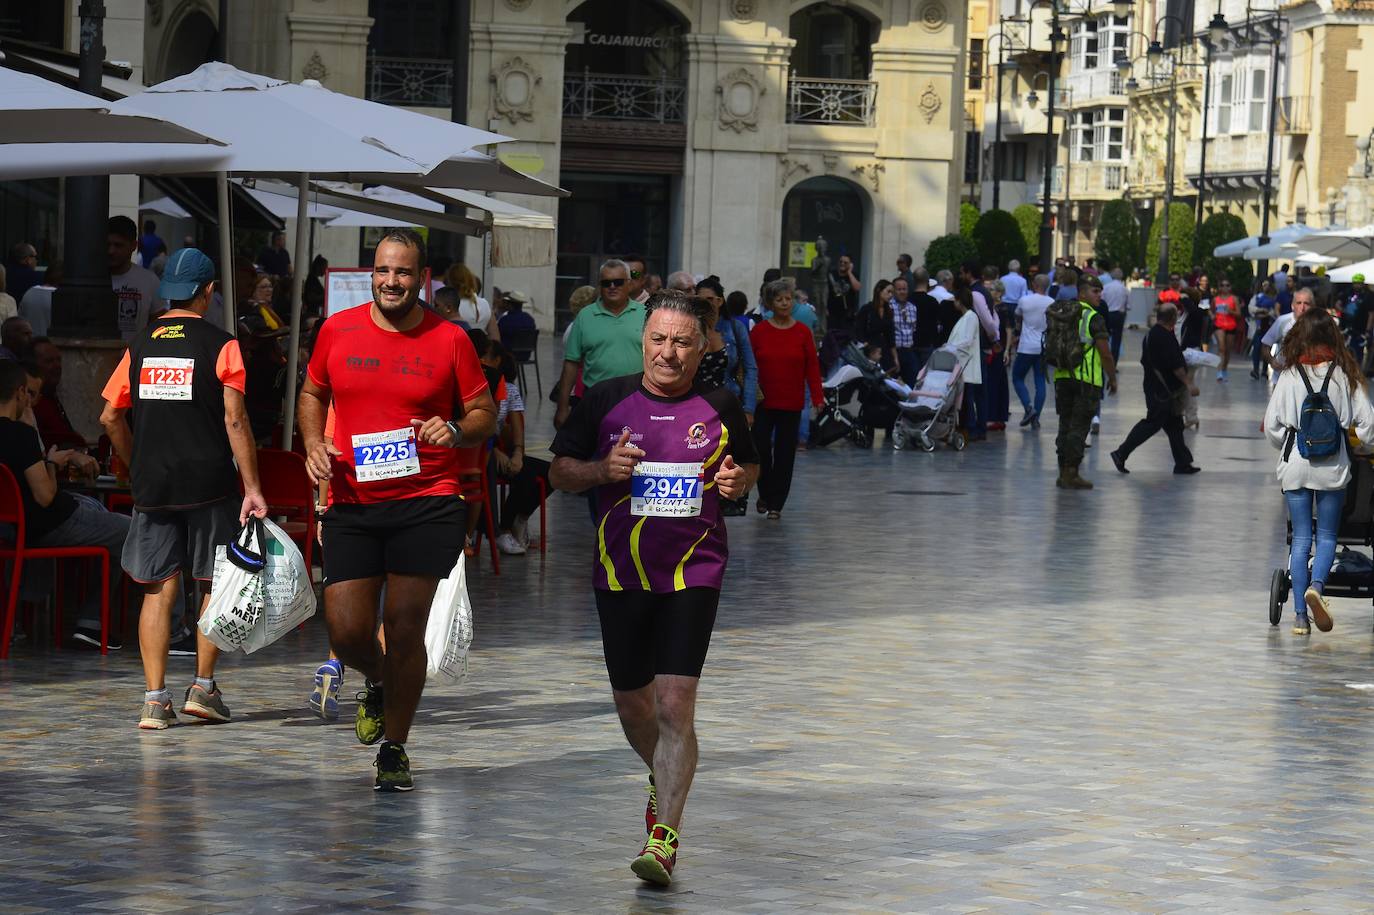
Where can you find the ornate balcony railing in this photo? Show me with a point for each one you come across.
(624, 98)
(414, 82)
(831, 101)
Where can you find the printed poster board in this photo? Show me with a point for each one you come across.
(800, 253)
(345, 287)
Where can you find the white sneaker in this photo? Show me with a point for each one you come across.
(519, 529)
(509, 545)
(1097, 425)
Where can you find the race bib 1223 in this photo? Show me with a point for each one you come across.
(165, 378)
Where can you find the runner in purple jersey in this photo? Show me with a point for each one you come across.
(654, 446)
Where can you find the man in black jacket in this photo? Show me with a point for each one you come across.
(1166, 382)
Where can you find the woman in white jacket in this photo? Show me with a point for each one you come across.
(1315, 349)
(964, 340)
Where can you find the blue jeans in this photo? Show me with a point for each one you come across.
(1023, 363)
(1329, 505)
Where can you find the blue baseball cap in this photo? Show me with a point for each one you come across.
(186, 272)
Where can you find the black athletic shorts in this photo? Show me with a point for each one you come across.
(421, 536)
(644, 633)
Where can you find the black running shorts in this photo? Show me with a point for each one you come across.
(644, 633)
(421, 536)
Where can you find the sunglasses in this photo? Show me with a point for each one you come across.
(615, 283)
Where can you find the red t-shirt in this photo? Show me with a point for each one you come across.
(379, 381)
(787, 363)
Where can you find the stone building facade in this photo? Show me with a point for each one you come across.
(718, 136)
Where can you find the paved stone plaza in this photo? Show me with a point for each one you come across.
(938, 685)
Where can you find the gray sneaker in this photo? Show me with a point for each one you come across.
(206, 704)
(157, 716)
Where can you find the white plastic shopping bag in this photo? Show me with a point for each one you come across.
(236, 595)
(288, 594)
(1196, 358)
(449, 632)
(262, 589)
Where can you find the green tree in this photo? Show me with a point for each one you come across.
(1217, 230)
(1118, 236)
(1180, 240)
(1028, 218)
(949, 251)
(968, 217)
(998, 238)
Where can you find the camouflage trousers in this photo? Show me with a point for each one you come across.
(1076, 402)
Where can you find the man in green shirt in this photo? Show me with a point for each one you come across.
(1078, 391)
(605, 340)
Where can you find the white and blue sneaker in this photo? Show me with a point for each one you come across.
(325, 698)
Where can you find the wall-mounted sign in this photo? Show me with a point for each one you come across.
(630, 41)
(527, 162)
(800, 253)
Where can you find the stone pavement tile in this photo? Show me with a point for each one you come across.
(1006, 699)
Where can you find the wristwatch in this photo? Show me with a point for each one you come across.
(457, 433)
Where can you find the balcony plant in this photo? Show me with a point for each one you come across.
(1118, 236)
(998, 237)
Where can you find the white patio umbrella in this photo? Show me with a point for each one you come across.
(1347, 274)
(1279, 236)
(279, 128)
(1296, 252)
(1342, 244)
(166, 206)
(20, 161)
(36, 110)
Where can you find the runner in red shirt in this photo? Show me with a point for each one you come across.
(407, 389)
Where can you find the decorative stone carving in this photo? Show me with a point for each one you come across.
(518, 6)
(831, 161)
(871, 171)
(933, 15)
(929, 102)
(737, 100)
(513, 90)
(743, 10)
(314, 68)
(790, 167)
(155, 12)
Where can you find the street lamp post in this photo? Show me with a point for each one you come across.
(1206, 107)
(1002, 41)
(1162, 274)
(1046, 221)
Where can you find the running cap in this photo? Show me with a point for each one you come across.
(1357, 278)
(187, 270)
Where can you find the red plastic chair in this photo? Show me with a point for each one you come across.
(12, 512)
(287, 489)
(473, 483)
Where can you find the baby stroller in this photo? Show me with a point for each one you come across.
(931, 411)
(859, 377)
(1356, 579)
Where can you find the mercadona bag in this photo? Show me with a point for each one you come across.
(288, 594)
(449, 631)
(236, 594)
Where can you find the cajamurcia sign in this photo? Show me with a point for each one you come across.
(631, 41)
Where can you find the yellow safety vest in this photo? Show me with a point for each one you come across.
(1089, 371)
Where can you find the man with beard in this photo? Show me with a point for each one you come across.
(395, 373)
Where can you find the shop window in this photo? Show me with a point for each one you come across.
(1259, 99)
(975, 63)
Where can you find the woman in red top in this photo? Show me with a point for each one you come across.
(785, 352)
(1226, 316)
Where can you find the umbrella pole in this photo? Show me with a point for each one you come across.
(226, 250)
(297, 295)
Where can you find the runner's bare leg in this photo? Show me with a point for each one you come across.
(350, 610)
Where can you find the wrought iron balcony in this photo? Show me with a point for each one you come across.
(624, 98)
(831, 101)
(414, 82)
